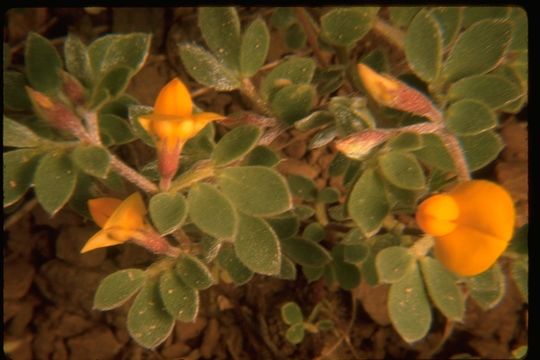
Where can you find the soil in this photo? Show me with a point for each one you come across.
(49, 286)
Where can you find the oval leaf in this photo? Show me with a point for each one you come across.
(77, 59)
(424, 46)
(206, 69)
(302, 187)
(481, 149)
(449, 19)
(469, 117)
(405, 141)
(442, 289)
(403, 15)
(194, 272)
(257, 246)
(408, 307)
(220, 27)
(180, 300)
(367, 204)
(295, 334)
(254, 49)
(288, 269)
(148, 323)
(434, 153)
(19, 168)
(93, 160)
(228, 260)
(167, 211)
(291, 313)
(488, 288)
(261, 155)
(235, 144)
(18, 135)
(344, 27)
(314, 232)
(347, 275)
(295, 70)
(42, 64)
(285, 225)
(402, 170)
(305, 252)
(478, 49)
(205, 200)
(54, 181)
(117, 288)
(129, 50)
(15, 95)
(293, 102)
(393, 263)
(256, 190)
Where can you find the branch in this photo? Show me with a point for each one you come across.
(311, 34)
(456, 152)
(132, 176)
(392, 34)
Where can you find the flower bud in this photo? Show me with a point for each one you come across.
(359, 145)
(72, 88)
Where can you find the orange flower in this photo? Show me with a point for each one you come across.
(173, 123)
(472, 225)
(122, 221)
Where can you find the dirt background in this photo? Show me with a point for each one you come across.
(49, 286)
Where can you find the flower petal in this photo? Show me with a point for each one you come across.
(380, 87)
(437, 215)
(467, 251)
(129, 215)
(101, 209)
(104, 238)
(174, 99)
(486, 207)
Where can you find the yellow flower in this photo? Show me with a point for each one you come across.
(120, 221)
(173, 121)
(380, 87)
(472, 225)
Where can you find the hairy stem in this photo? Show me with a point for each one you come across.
(132, 176)
(311, 33)
(456, 152)
(248, 89)
(91, 119)
(422, 246)
(392, 34)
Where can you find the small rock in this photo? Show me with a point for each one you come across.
(296, 150)
(60, 351)
(95, 344)
(176, 351)
(297, 167)
(70, 242)
(11, 307)
(24, 316)
(132, 255)
(18, 277)
(187, 331)
(60, 220)
(211, 339)
(72, 324)
(372, 298)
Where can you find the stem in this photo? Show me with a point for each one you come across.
(320, 213)
(186, 179)
(248, 89)
(422, 246)
(311, 33)
(132, 176)
(343, 57)
(454, 148)
(91, 119)
(392, 34)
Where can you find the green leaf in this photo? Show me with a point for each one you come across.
(194, 272)
(339, 165)
(424, 46)
(519, 243)
(295, 37)
(354, 237)
(134, 111)
(97, 51)
(117, 288)
(296, 70)
(377, 60)
(478, 49)
(313, 273)
(255, 43)
(473, 14)
(355, 253)
(288, 269)
(305, 252)
(481, 149)
(115, 129)
(303, 212)
(257, 246)
(205, 199)
(520, 38)
(282, 17)
(77, 59)
(206, 69)
(328, 195)
(293, 102)
(393, 263)
(235, 144)
(19, 168)
(261, 155)
(291, 313)
(345, 26)
(367, 204)
(323, 137)
(285, 225)
(54, 181)
(42, 64)
(449, 19)
(314, 232)
(147, 322)
(469, 117)
(93, 160)
(408, 307)
(295, 334)
(405, 141)
(488, 288)
(167, 211)
(126, 50)
(18, 135)
(228, 260)
(510, 73)
(314, 120)
(520, 274)
(401, 199)
(181, 301)
(520, 352)
(256, 190)
(494, 90)
(110, 85)
(15, 95)
(434, 153)
(220, 27)
(443, 289)
(325, 325)
(347, 274)
(302, 187)
(402, 170)
(403, 15)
